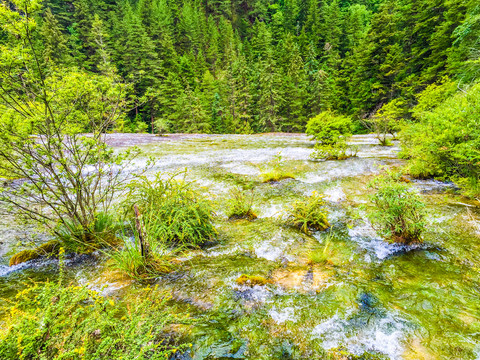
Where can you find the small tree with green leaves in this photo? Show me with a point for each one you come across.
(63, 178)
(387, 120)
(331, 133)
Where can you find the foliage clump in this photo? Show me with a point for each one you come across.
(252, 280)
(157, 258)
(99, 234)
(239, 205)
(172, 210)
(50, 248)
(164, 215)
(388, 120)
(331, 133)
(309, 214)
(445, 141)
(276, 170)
(399, 214)
(51, 321)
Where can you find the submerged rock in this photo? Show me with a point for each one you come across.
(302, 279)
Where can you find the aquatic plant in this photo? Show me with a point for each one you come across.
(239, 204)
(49, 321)
(101, 233)
(148, 265)
(172, 212)
(48, 249)
(275, 170)
(321, 257)
(309, 214)
(399, 214)
(162, 216)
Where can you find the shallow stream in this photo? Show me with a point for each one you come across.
(397, 302)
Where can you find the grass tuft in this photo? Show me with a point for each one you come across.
(239, 205)
(276, 170)
(309, 214)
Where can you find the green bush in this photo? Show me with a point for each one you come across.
(328, 128)
(309, 214)
(399, 214)
(172, 212)
(171, 215)
(239, 205)
(49, 321)
(388, 120)
(331, 132)
(445, 142)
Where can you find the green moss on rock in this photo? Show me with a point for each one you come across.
(249, 215)
(50, 248)
(252, 280)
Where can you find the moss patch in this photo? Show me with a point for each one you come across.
(50, 248)
(252, 280)
(274, 176)
(249, 215)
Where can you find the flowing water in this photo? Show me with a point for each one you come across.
(371, 298)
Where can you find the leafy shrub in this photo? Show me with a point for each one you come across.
(388, 120)
(48, 321)
(309, 214)
(239, 205)
(171, 215)
(331, 132)
(328, 128)
(399, 214)
(161, 126)
(276, 170)
(445, 143)
(433, 96)
(172, 211)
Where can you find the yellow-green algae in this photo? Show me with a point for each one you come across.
(252, 280)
